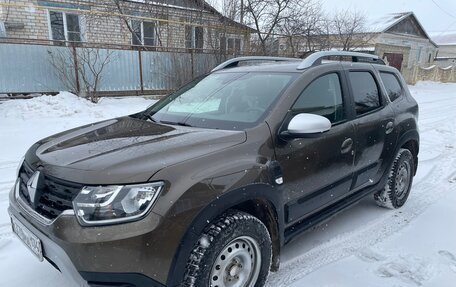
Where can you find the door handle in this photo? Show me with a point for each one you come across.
(346, 146)
(389, 128)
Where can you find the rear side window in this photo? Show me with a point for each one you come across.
(322, 97)
(365, 92)
(392, 85)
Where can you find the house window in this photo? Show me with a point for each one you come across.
(143, 33)
(230, 45)
(194, 37)
(65, 26)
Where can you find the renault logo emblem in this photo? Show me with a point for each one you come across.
(32, 185)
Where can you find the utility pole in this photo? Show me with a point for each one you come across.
(242, 12)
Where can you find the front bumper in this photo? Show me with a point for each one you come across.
(53, 253)
(130, 254)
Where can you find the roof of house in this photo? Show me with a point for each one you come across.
(447, 38)
(386, 23)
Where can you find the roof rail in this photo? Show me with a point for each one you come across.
(315, 58)
(235, 62)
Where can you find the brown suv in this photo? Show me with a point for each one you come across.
(206, 186)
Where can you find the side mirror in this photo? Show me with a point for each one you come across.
(307, 125)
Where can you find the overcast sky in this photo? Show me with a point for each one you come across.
(433, 18)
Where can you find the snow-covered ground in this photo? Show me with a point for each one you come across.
(363, 246)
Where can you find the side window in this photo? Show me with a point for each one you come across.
(57, 25)
(136, 32)
(73, 28)
(194, 37)
(322, 97)
(365, 92)
(65, 26)
(392, 85)
(149, 33)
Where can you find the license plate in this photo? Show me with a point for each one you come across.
(28, 238)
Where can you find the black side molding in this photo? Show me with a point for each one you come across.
(105, 279)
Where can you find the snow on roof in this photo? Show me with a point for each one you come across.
(444, 38)
(381, 24)
(384, 23)
(359, 49)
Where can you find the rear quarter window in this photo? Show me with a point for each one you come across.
(392, 85)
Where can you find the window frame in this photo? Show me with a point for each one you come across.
(141, 30)
(225, 47)
(65, 25)
(345, 103)
(399, 82)
(193, 40)
(381, 95)
(269, 111)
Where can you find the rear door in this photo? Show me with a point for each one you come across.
(374, 124)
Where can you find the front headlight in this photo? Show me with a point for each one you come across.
(99, 205)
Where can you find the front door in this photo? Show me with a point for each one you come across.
(317, 171)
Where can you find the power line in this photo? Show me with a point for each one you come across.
(443, 10)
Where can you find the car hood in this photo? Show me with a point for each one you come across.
(124, 150)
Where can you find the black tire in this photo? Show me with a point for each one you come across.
(396, 191)
(216, 237)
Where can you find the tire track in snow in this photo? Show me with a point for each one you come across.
(424, 194)
(6, 233)
(427, 190)
(6, 182)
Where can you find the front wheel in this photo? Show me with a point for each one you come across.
(399, 183)
(233, 251)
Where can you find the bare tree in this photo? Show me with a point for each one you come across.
(232, 9)
(301, 26)
(92, 63)
(62, 61)
(349, 29)
(81, 71)
(265, 16)
(124, 17)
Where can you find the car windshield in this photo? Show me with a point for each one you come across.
(231, 101)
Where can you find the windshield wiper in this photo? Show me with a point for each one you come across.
(184, 124)
(149, 117)
(176, 123)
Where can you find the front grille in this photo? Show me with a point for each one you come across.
(54, 195)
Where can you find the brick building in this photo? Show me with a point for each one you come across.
(158, 24)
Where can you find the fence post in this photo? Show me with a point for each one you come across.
(76, 70)
(415, 73)
(141, 81)
(452, 78)
(192, 51)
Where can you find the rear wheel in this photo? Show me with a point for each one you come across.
(233, 251)
(399, 183)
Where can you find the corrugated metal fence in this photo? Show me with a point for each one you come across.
(27, 68)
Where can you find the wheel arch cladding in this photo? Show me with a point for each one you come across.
(260, 200)
(411, 141)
